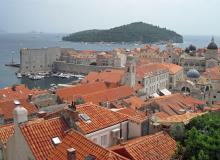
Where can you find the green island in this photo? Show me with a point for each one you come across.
(134, 32)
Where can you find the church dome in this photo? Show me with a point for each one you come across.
(193, 73)
(212, 45)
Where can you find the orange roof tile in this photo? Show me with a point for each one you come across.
(173, 104)
(6, 132)
(108, 95)
(83, 147)
(6, 108)
(150, 68)
(213, 73)
(109, 76)
(19, 92)
(184, 118)
(100, 117)
(173, 68)
(39, 134)
(152, 147)
(134, 102)
(161, 115)
(70, 93)
(133, 115)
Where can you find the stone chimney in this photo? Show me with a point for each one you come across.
(30, 97)
(71, 154)
(71, 117)
(20, 114)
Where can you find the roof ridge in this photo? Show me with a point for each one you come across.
(108, 153)
(140, 139)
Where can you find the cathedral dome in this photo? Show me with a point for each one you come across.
(193, 73)
(212, 45)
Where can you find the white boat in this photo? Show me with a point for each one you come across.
(79, 76)
(19, 75)
(36, 77)
(52, 85)
(62, 75)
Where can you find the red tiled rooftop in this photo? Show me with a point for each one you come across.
(133, 115)
(100, 117)
(173, 68)
(6, 132)
(134, 102)
(7, 107)
(213, 73)
(83, 147)
(39, 134)
(173, 104)
(70, 93)
(109, 76)
(159, 146)
(19, 92)
(162, 115)
(184, 118)
(108, 95)
(147, 69)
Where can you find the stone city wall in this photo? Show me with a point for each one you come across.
(61, 66)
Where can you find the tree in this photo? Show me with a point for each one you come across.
(177, 131)
(202, 139)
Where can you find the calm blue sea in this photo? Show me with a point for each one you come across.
(10, 45)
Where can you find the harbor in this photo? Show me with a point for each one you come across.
(49, 81)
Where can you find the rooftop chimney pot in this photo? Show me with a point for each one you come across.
(71, 154)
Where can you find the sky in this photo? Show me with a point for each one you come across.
(187, 17)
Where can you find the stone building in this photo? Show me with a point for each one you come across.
(213, 74)
(211, 55)
(196, 86)
(38, 60)
(152, 77)
(193, 60)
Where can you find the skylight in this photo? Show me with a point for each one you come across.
(56, 140)
(85, 118)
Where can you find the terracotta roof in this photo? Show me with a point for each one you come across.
(19, 92)
(108, 95)
(213, 73)
(109, 76)
(100, 117)
(184, 118)
(134, 102)
(173, 68)
(7, 107)
(213, 108)
(6, 132)
(161, 115)
(133, 115)
(150, 68)
(83, 147)
(152, 147)
(70, 93)
(39, 134)
(174, 103)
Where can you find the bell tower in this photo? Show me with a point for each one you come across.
(130, 77)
